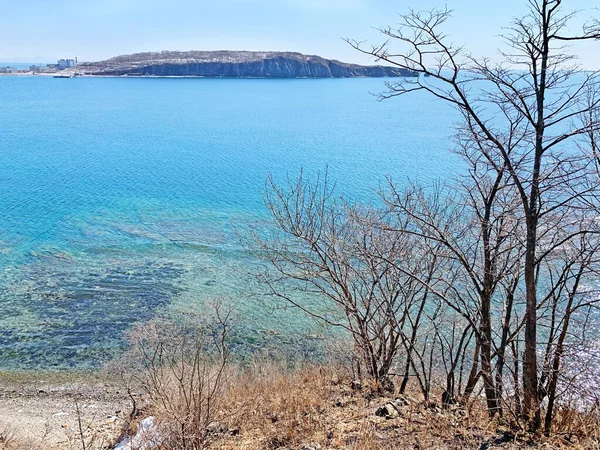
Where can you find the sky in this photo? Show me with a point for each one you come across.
(44, 30)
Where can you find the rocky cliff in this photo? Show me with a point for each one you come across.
(228, 64)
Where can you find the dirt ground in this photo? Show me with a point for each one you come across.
(41, 412)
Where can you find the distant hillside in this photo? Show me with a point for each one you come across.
(231, 64)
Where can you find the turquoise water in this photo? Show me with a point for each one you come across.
(121, 197)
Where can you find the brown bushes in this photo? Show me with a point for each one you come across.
(183, 369)
(202, 400)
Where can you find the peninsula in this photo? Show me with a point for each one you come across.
(234, 64)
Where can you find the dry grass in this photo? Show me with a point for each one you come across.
(272, 408)
(269, 407)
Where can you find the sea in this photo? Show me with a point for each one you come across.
(122, 199)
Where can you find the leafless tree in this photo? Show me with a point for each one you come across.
(474, 231)
(570, 298)
(529, 115)
(334, 262)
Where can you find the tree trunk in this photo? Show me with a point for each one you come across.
(531, 409)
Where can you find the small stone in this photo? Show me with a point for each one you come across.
(310, 447)
(356, 385)
(402, 401)
(215, 427)
(389, 411)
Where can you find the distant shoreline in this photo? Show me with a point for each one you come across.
(54, 75)
(214, 64)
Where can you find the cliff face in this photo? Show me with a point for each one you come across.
(235, 65)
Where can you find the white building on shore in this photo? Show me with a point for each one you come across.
(66, 63)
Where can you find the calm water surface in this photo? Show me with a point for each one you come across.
(121, 197)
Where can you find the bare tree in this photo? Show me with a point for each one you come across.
(528, 115)
(331, 260)
(474, 234)
(570, 297)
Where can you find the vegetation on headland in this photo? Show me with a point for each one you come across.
(235, 64)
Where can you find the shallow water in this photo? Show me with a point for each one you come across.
(121, 197)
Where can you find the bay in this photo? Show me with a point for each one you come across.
(120, 198)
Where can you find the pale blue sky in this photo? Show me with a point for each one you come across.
(98, 29)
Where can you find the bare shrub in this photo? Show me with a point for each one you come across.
(13, 438)
(184, 369)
